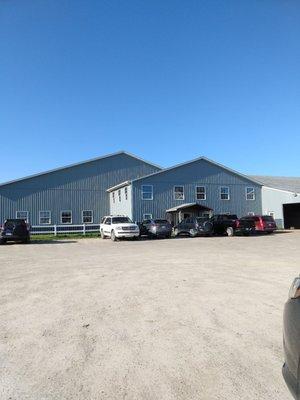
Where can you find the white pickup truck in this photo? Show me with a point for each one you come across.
(118, 226)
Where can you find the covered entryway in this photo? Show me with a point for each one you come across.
(291, 215)
(177, 214)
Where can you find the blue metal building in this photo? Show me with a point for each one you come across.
(74, 194)
(196, 187)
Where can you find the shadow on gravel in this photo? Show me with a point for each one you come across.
(33, 242)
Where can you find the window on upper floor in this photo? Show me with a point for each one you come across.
(147, 192)
(119, 195)
(224, 193)
(250, 193)
(147, 217)
(87, 216)
(178, 193)
(45, 217)
(200, 193)
(126, 193)
(113, 197)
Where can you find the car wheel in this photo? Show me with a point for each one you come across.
(229, 231)
(193, 233)
(102, 234)
(2, 241)
(113, 236)
(26, 241)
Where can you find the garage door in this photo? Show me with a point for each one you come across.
(291, 213)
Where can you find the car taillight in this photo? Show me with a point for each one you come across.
(237, 223)
(259, 224)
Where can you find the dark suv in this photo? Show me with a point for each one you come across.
(225, 224)
(14, 230)
(156, 228)
(257, 224)
(194, 226)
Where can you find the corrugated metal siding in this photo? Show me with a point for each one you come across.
(123, 207)
(82, 187)
(200, 173)
(273, 200)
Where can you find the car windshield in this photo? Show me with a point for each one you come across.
(121, 220)
(14, 222)
(201, 219)
(161, 221)
(228, 216)
(267, 218)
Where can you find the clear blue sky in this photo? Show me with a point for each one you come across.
(168, 80)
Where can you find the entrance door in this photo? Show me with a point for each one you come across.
(291, 213)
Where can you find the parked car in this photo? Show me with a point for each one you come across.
(117, 227)
(194, 226)
(156, 228)
(15, 230)
(225, 224)
(257, 224)
(291, 339)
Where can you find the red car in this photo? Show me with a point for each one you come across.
(257, 223)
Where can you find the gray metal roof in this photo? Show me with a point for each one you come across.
(162, 171)
(186, 205)
(291, 184)
(80, 163)
(118, 186)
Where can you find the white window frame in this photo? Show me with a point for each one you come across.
(92, 215)
(174, 192)
(44, 223)
(66, 211)
(23, 211)
(252, 193)
(224, 187)
(147, 216)
(143, 192)
(199, 186)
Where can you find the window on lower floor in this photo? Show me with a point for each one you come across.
(87, 216)
(147, 216)
(250, 193)
(224, 193)
(178, 193)
(200, 193)
(251, 213)
(45, 217)
(22, 215)
(66, 217)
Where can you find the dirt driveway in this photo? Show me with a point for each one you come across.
(165, 319)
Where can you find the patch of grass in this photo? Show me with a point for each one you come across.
(92, 235)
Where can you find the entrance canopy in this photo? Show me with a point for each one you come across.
(178, 213)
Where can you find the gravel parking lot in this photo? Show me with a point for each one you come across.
(164, 319)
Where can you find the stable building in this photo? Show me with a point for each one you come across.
(121, 183)
(195, 188)
(71, 195)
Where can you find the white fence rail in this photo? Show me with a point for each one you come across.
(64, 229)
